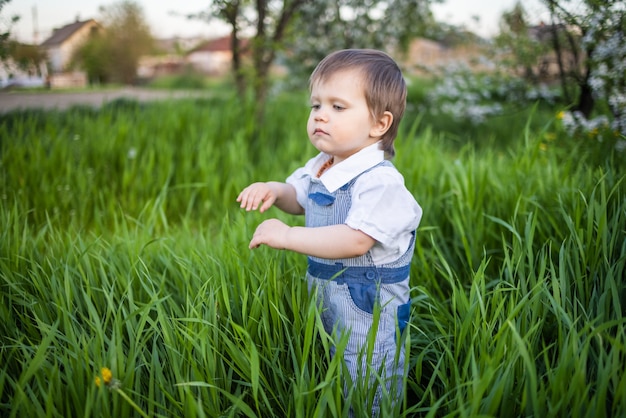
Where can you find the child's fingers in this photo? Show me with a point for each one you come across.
(257, 240)
(247, 199)
(253, 196)
(267, 203)
(249, 204)
(243, 196)
(254, 244)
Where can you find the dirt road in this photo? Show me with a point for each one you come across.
(51, 100)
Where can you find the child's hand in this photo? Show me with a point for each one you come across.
(252, 196)
(272, 233)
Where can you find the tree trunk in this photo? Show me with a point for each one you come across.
(264, 50)
(240, 81)
(586, 101)
(230, 12)
(559, 58)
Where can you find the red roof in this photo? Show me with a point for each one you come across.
(222, 44)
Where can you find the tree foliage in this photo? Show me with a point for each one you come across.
(584, 50)
(113, 54)
(28, 58)
(328, 25)
(598, 41)
(5, 32)
(307, 30)
(129, 38)
(270, 21)
(603, 83)
(606, 36)
(519, 51)
(94, 58)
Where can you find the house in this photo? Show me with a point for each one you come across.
(64, 42)
(14, 75)
(152, 66)
(425, 56)
(178, 45)
(23, 67)
(170, 59)
(214, 57)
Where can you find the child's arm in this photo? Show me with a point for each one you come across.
(333, 241)
(283, 195)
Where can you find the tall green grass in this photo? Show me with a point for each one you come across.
(121, 246)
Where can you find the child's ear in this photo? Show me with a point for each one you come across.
(382, 125)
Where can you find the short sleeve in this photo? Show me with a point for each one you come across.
(300, 180)
(384, 209)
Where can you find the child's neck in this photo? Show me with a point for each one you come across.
(325, 166)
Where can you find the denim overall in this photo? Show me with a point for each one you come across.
(349, 289)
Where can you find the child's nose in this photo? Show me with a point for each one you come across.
(321, 115)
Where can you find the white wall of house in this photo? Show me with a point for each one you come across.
(12, 75)
(210, 62)
(55, 58)
(60, 55)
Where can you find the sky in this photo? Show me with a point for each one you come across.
(482, 16)
(166, 18)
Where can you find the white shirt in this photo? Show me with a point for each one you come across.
(382, 207)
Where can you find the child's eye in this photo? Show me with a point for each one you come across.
(315, 107)
(338, 107)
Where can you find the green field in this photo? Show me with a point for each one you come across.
(122, 246)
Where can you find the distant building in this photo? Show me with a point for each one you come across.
(13, 75)
(152, 66)
(178, 45)
(64, 42)
(425, 56)
(23, 67)
(215, 56)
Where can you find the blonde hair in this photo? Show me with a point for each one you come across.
(385, 88)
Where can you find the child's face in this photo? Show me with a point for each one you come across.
(340, 122)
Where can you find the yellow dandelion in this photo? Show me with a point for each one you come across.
(107, 376)
(543, 147)
(560, 115)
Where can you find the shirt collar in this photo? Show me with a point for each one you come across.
(340, 174)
